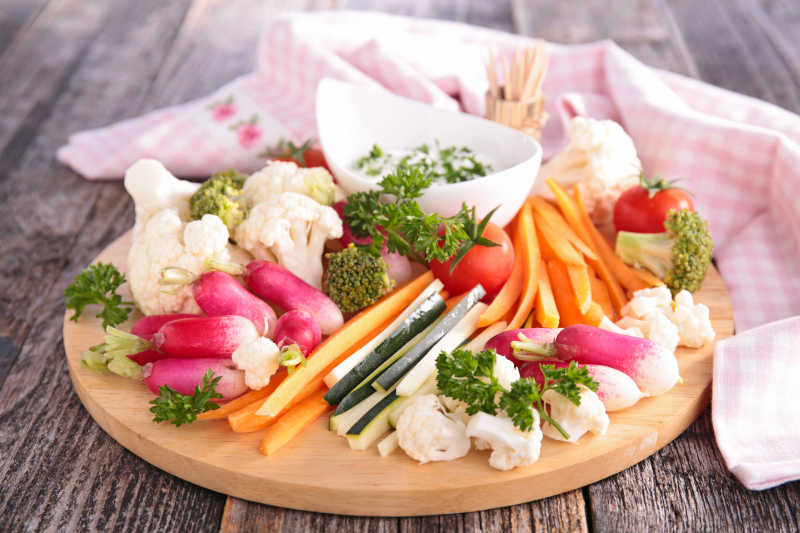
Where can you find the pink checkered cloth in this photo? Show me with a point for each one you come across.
(740, 156)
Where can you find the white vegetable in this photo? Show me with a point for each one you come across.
(693, 321)
(426, 434)
(608, 325)
(388, 445)
(284, 176)
(154, 188)
(600, 159)
(290, 229)
(510, 446)
(259, 360)
(576, 420)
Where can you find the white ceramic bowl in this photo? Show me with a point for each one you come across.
(351, 118)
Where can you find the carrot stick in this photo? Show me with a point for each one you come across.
(546, 309)
(245, 399)
(621, 271)
(507, 296)
(529, 246)
(551, 215)
(594, 315)
(294, 421)
(335, 347)
(561, 247)
(246, 420)
(562, 291)
(647, 277)
(581, 286)
(600, 295)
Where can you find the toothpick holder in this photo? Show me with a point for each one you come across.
(528, 116)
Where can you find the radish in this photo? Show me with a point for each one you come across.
(652, 367)
(212, 336)
(184, 375)
(147, 325)
(502, 343)
(617, 391)
(219, 293)
(279, 286)
(297, 330)
(147, 356)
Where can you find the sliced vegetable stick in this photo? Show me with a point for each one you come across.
(545, 250)
(337, 347)
(570, 211)
(294, 421)
(594, 315)
(647, 277)
(246, 420)
(477, 343)
(556, 220)
(621, 271)
(562, 248)
(600, 295)
(562, 292)
(529, 321)
(245, 399)
(546, 310)
(507, 296)
(526, 241)
(581, 286)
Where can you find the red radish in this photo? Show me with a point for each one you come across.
(652, 367)
(617, 391)
(279, 286)
(219, 293)
(184, 375)
(147, 325)
(212, 336)
(147, 356)
(297, 328)
(501, 343)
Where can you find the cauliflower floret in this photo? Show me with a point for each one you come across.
(656, 326)
(510, 446)
(576, 420)
(165, 240)
(290, 229)
(601, 159)
(426, 433)
(645, 301)
(154, 188)
(284, 176)
(693, 321)
(259, 360)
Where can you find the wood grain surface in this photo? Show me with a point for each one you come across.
(67, 65)
(318, 472)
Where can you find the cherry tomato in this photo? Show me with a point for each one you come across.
(643, 208)
(304, 155)
(488, 265)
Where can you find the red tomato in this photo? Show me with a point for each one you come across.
(643, 208)
(304, 155)
(488, 265)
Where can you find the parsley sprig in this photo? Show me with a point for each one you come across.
(176, 408)
(469, 377)
(405, 228)
(98, 284)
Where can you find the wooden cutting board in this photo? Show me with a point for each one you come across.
(318, 472)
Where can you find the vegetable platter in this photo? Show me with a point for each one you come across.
(318, 472)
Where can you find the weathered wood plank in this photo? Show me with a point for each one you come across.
(15, 15)
(495, 14)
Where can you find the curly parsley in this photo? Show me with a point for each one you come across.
(98, 285)
(176, 408)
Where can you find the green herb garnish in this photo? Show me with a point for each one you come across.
(176, 408)
(98, 285)
(469, 377)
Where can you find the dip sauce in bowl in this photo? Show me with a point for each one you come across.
(353, 119)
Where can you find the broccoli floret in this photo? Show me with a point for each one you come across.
(355, 278)
(680, 256)
(220, 195)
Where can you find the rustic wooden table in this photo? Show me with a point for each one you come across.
(66, 65)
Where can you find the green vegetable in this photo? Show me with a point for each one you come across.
(469, 377)
(355, 278)
(680, 256)
(112, 355)
(176, 408)
(220, 195)
(404, 228)
(98, 285)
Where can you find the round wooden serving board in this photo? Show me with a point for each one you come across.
(318, 471)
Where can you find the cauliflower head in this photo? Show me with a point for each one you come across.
(426, 433)
(510, 446)
(290, 229)
(284, 176)
(576, 420)
(259, 359)
(693, 321)
(600, 159)
(154, 188)
(166, 240)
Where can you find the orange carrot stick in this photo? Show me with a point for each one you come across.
(293, 422)
(581, 286)
(546, 310)
(561, 247)
(562, 292)
(507, 296)
(245, 399)
(552, 216)
(600, 295)
(531, 257)
(647, 277)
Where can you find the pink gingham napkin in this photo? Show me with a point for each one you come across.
(740, 156)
